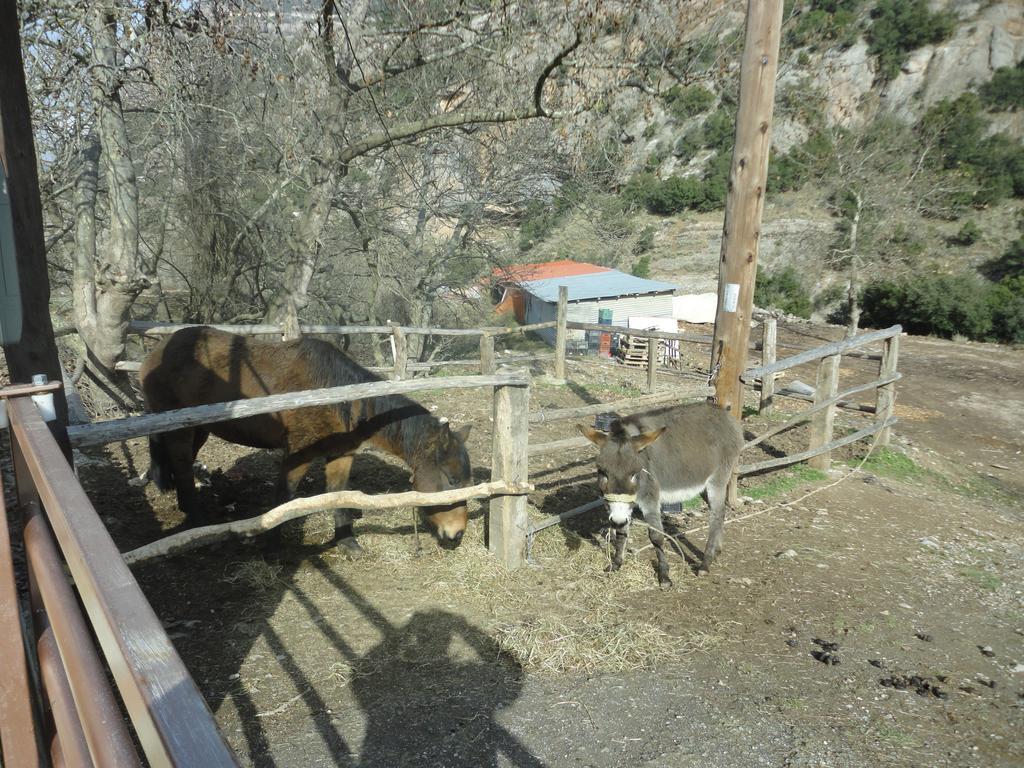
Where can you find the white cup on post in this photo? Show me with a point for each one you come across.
(44, 401)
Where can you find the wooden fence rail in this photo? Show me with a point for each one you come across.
(148, 328)
(103, 432)
(810, 355)
(827, 397)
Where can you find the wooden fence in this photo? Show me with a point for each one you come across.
(507, 524)
(827, 398)
(508, 529)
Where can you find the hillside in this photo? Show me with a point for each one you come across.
(916, 109)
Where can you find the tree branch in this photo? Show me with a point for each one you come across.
(208, 534)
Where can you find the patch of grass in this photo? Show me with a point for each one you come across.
(794, 704)
(893, 735)
(889, 463)
(982, 579)
(623, 390)
(785, 481)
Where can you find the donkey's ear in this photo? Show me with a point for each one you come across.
(596, 436)
(644, 439)
(463, 432)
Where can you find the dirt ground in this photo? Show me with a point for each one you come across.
(859, 618)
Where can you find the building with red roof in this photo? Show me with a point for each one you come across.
(509, 281)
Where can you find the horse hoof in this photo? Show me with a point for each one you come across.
(702, 571)
(612, 567)
(665, 583)
(350, 548)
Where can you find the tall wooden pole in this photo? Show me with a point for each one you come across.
(36, 351)
(561, 332)
(745, 202)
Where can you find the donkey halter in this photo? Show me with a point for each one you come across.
(625, 498)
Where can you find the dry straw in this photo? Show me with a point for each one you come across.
(564, 615)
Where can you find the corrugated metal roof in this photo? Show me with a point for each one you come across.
(521, 273)
(599, 285)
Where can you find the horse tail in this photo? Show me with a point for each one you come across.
(160, 471)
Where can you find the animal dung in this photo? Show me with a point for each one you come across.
(827, 653)
(920, 685)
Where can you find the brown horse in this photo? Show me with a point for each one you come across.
(201, 365)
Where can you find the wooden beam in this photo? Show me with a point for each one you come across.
(486, 354)
(652, 364)
(769, 332)
(885, 400)
(638, 332)
(839, 400)
(557, 446)
(114, 430)
(508, 523)
(401, 354)
(746, 469)
(810, 355)
(745, 202)
(632, 404)
(561, 332)
(821, 423)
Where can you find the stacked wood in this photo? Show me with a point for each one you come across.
(634, 351)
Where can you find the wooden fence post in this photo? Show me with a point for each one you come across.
(821, 422)
(769, 333)
(652, 363)
(507, 521)
(561, 332)
(401, 354)
(486, 354)
(885, 398)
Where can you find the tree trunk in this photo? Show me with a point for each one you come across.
(106, 290)
(853, 289)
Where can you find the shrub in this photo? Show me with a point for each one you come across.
(645, 240)
(826, 20)
(995, 163)
(1006, 300)
(639, 189)
(969, 234)
(901, 26)
(684, 102)
(783, 290)
(716, 182)
(1006, 88)
(676, 194)
(1009, 265)
(785, 174)
(687, 145)
(720, 129)
(538, 221)
(642, 268)
(941, 305)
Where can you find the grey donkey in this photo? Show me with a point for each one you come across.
(666, 456)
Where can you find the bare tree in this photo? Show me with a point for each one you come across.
(879, 183)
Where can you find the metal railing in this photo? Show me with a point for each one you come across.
(56, 704)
